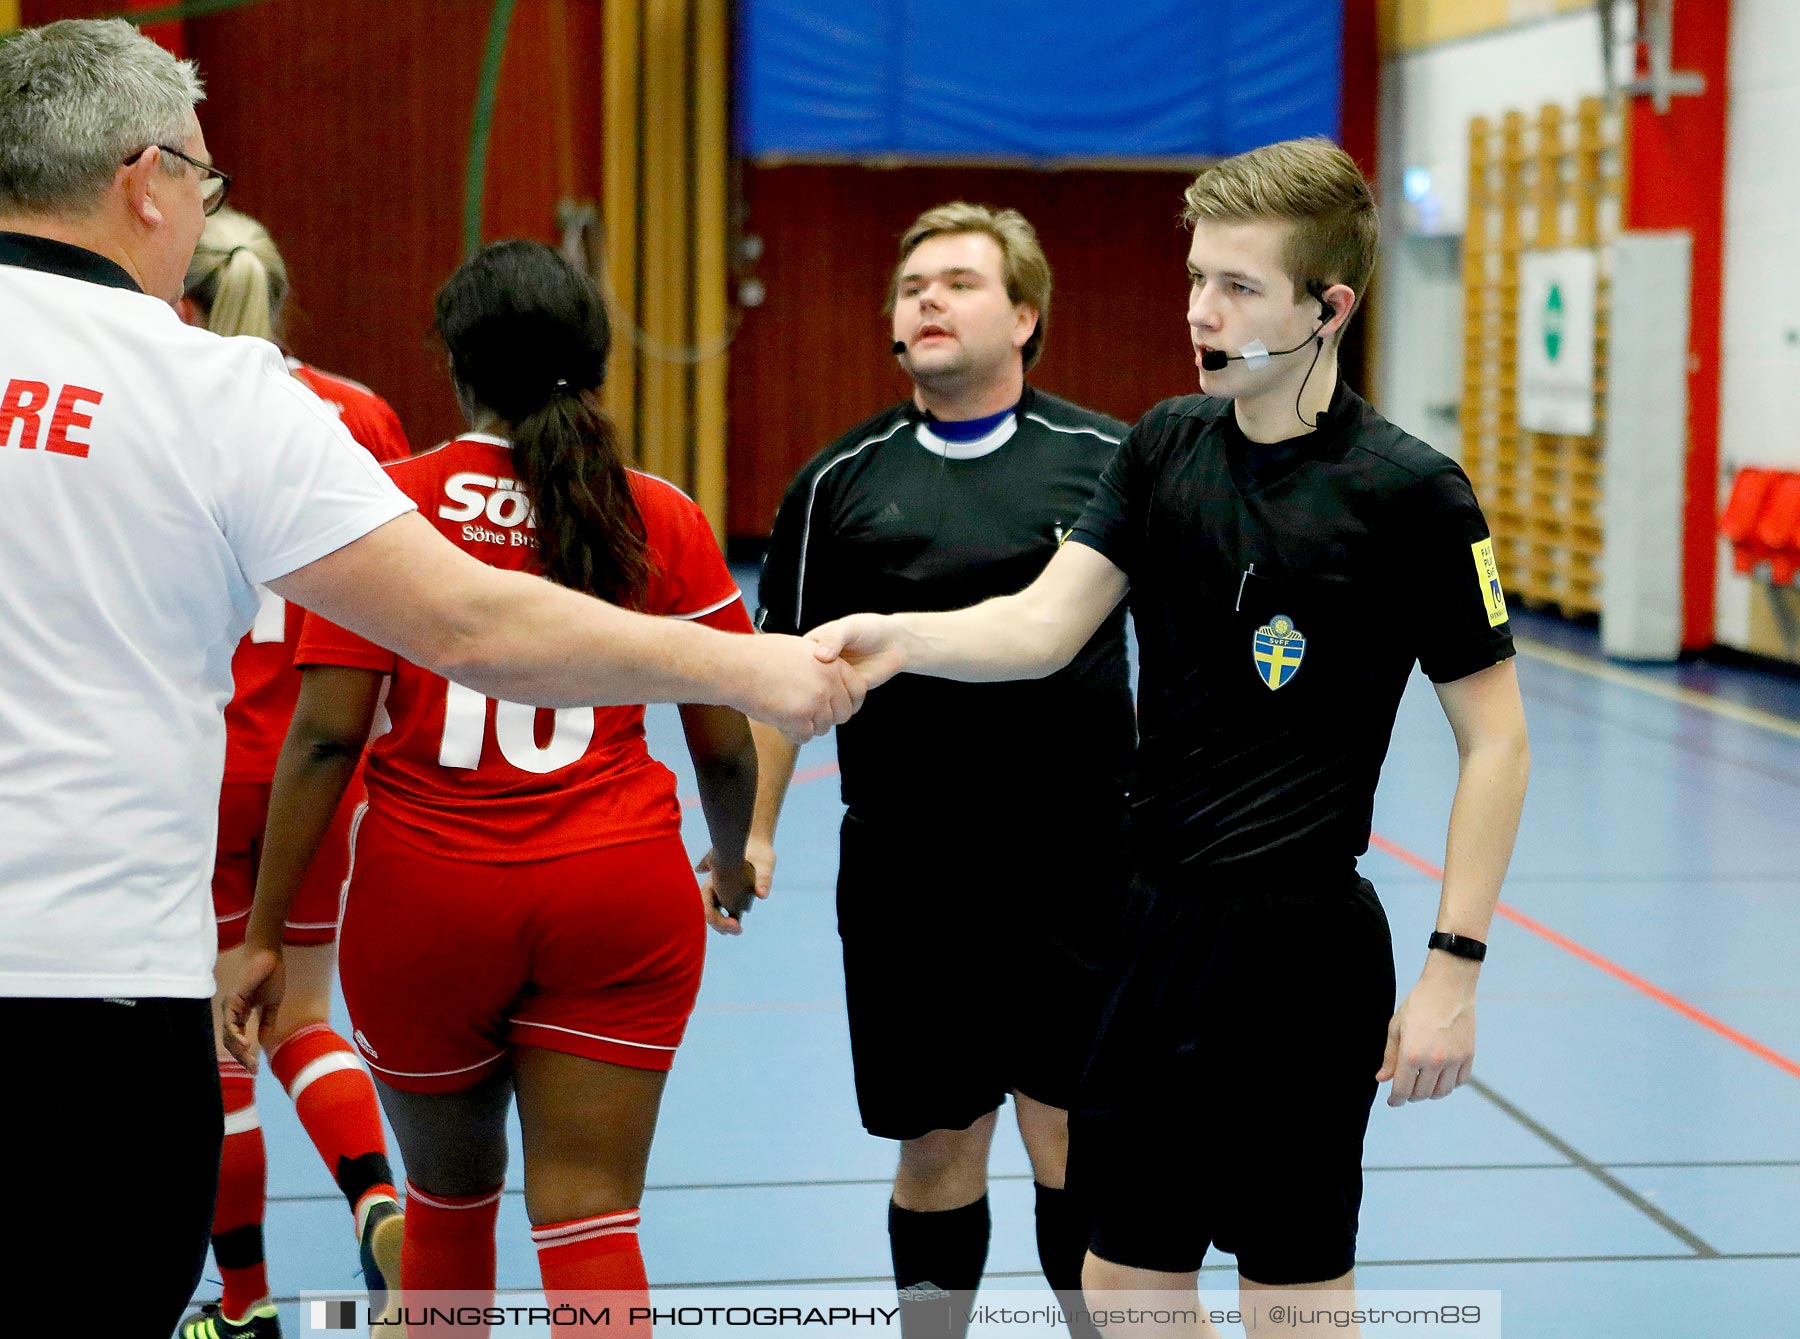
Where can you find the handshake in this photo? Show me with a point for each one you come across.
(805, 685)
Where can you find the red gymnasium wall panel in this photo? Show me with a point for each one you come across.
(814, 358)
(346, 127)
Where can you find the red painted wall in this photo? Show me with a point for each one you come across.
(346, 127)
(170, 33)
(1359, 110)
(813, 359)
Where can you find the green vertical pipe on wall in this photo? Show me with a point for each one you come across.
(482, 128)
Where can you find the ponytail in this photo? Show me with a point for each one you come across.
(237, 277)
(528, 336)
(240, 297)
(590, 534)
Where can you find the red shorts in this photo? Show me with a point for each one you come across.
(313, 917)
(447, 964)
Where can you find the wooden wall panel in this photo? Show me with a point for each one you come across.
(34, 12)
(30, 13)
(1359, 132)
(813, 359)
(546, 141)
(346, 127)
(352, 152)
(1408, 25)
(1536, 182)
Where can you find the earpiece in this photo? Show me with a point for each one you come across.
(1326, 314)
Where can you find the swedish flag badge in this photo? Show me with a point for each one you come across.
(1278, 648)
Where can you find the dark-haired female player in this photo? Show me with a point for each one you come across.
(521, 919)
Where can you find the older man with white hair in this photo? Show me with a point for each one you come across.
(160, 475)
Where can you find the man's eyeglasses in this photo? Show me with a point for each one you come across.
(213, 184)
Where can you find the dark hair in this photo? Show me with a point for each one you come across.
(528, 336)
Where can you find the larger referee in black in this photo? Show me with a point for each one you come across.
(981, 861)
(1290, 557)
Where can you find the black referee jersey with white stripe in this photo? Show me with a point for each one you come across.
(892, 517)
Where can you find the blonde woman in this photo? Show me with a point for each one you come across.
(237, 285)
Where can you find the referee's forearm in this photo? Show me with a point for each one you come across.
(998, 640)
(1484, 822)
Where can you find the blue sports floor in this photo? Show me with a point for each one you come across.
(1627, 1163)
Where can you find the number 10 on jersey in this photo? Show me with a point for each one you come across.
(515, 730)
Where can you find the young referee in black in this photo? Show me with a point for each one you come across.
(1290, 555)
(982, 868)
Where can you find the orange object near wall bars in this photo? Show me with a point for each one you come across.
(1762, 521)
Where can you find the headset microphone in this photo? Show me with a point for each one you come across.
(899, 347)
(1256, 353)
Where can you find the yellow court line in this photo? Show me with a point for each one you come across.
(1644, 683)
(9, 15)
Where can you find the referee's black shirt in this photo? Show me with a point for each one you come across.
(1357, 538)
(891, 518)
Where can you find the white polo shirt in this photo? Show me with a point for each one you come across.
(152, 476)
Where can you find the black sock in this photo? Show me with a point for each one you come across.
(939, 1254)
(1062, 1241)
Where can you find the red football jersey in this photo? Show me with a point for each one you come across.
(499, 781)
(265, 683)
(371, 419)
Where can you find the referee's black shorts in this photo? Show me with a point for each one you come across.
(975, 954)
(1230, 1083)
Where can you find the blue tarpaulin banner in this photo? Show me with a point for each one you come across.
(1034, 79)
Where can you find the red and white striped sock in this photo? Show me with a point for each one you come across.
(449, 1248)
(243, 1187)
(589, 1256)
(335, 1100)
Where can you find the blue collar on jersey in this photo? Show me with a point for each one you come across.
(968, 429)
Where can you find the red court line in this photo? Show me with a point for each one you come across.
(801, 777)
(1544, 932)
(1611, 968)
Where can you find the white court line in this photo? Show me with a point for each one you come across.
(1644, 683)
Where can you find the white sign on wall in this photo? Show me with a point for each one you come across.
(1557, 295)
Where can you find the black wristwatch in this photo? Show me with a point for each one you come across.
(1457, 946)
